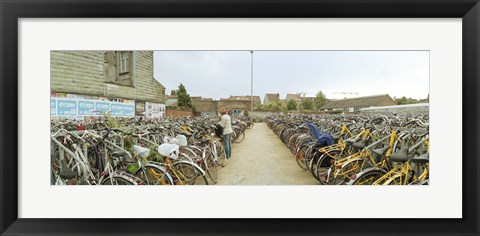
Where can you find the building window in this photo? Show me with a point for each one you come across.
(119, 67)
(124, 62)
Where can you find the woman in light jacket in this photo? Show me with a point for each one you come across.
(226, 124)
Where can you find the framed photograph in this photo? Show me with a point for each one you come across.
(265, 117)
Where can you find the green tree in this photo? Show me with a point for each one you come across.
(173, 92)
(307, 104)
(320, 100)
(405, 101)
(277, 106)
(291, 105)
(183, 97)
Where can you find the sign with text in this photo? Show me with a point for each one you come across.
(101, 107)
(53, 107)
(66, 107)
(86, 107)
(117, 109)
(74, 107)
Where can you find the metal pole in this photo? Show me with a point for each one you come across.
(251, 85)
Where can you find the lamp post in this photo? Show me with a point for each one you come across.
(251, 84)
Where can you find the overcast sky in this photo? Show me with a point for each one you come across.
(219, 74)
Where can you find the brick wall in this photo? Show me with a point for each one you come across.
(211, 107)
(178, 113)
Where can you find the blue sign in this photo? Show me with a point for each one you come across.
(129, 109)
(66, 107)
(85, 108)
(117, 109)
(78, 108)
(102, 106)
(53, 106)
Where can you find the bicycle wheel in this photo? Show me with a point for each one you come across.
(153, 175)
(301, 156)
(201, 180)
(367, 177)
(323, 165)
(187, 173)
(222, 156)
(312, 165)
(212, 168)
(119, 180)
(348, 172)
(240, 137)
(397, 180)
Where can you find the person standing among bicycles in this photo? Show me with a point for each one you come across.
(226, 123)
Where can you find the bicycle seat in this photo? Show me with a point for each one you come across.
(122, 156)
(381, 151)
(141, 151)
(169, 150)
(422, 159)
(360, 144)
(400, 156)
(67, 173)
(350, 140)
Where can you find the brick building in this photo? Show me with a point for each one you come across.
(209, 107)
(271, 98)
(256, 99)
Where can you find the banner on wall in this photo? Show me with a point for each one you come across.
(83, 107)
(154, 110)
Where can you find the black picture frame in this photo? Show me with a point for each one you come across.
(11, 11)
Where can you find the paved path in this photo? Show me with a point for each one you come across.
(262, 159)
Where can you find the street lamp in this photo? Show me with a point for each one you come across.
(251, 84)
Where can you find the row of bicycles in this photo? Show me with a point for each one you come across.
(358, 149)
(138, 151)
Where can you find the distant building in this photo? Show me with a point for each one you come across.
(292, 96)
(209, 107)
(355, 104)
(256, 99)
(171, 100)
(295, 97)
(271, 98)
(409, 108)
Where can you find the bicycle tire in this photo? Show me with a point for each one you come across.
(367, 176)
(188, 173)
(348, 172)
(300, 157)
(313, 163)
(397, 180)
(323, 165)
(212, 169)
(221, 155)
(153, 175)
(119, 180)
(240, 138)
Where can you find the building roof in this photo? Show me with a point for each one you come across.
(376, 100)
(272, 97)
(292, 96)
(246, 98)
